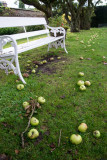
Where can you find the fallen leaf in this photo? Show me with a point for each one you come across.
(3, 157)
(16, 151)
(25, 75)
(52, 145)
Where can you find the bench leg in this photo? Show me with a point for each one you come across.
(48, 47)
(64, 46)
(18, 70)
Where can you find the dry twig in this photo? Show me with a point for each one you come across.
(33, 105)
(60, 137)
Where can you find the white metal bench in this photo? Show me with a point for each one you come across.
(10, 55)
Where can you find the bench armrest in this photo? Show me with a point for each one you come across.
(5, 39)
(56, 30)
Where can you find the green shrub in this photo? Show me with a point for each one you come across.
(8, 31)
(34, 28)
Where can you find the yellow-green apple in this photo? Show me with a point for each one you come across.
(34, 121)
(82, 127)
(82, 88)
(20, 86)
(41, 100)
(96, 134)
(25, 104)
(80, 82)
(36, 66)
(52, 58)
(33, 133)
(33, 71)
(87, 83)
(76, 139)
(29, 61)
(58, 57)
(81, 74)
(44, 61)
(81, 58)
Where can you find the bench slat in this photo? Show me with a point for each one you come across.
(31, 45)
(21, 21)
(29, 34)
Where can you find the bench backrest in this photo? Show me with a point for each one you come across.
(21, 21)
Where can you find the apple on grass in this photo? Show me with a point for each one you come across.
(87, 83)
(81, 74)
(34, 121)
(75, 139)
(58, 57)
(82, 127)
(81, 58)
(96, 134)
(33, 133)
(82, 88)
(33, 71)
(25, 104)
(20, 86)
(52, 58)
(44, 61)
(80, 82)
(41, 100)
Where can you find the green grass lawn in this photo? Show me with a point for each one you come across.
(66, 106)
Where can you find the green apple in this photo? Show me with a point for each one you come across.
(29, 61)
(34, 121)
(52, 58)
(20, 86)
(28, 65)
(33, 133)
(82, 127)
(81, 58)
(36, 66)
(44, 61)
(33, 71)
(81, 74)
(76, 139)
(80, 82)
(58, 57)
(87, 83)
(82, 41)
(96, 134)
(82, 88)
(41, 100)
(25, 104)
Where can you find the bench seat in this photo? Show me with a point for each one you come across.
(29, 45)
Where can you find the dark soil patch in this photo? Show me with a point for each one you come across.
(45, 64)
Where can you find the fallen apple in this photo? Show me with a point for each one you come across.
(33, 71)
(41, 100)
(58, 57)
(33, 133)
(80, 82)
(82, 127)
(87, 83)
(25, 104)
(82, 88)
(44, 61)
(36, 66)
(81, 74)
(52, 58)
(96, 134)
(76, 139)
(28, 65)
(81, 58)
(34, 121)
(20, 86)
(29, 61)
